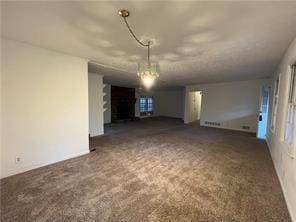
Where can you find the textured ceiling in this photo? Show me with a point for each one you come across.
(195, 42)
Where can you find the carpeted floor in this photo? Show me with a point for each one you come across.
(153, 170)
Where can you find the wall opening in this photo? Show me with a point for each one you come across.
(195, 101)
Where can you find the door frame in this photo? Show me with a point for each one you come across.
(268, 89)
(189, 106)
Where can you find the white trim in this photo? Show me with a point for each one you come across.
(99, 134)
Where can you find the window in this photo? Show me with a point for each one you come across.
(290, 126)
(275, 103)
(149, 104)
(146, 105)
(142, 104)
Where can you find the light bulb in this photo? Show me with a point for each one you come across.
(148, 81)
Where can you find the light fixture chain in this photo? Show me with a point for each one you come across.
(149, 53)
(135, 37)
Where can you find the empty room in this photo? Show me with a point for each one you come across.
(148, 111)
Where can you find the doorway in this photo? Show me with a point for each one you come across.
(195, 99)
(263, 112)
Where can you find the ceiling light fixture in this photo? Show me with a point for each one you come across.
(147, 71)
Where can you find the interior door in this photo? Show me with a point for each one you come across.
(263, 113)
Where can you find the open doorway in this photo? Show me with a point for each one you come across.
(263, 112)
(195, 98)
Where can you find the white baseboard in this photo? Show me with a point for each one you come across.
(100, 133)
(229, 128)
(293, 217)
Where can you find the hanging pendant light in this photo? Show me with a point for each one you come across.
(147, 71)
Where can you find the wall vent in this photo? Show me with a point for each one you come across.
(212, 123)
(246, 127)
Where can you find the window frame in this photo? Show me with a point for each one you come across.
(291, 101)
(275, 102)
(148, 105)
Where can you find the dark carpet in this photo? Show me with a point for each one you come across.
(155, 169)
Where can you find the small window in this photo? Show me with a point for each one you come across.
(275, 103)
(142, 104)
(290, 126)
(146, 105)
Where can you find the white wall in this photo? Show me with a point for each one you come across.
(284, 163)
(95, 104)
(232, 104)
(44, 107)
(1, 92)
(107, 103)
(169, 103)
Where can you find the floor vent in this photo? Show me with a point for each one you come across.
(212, 123)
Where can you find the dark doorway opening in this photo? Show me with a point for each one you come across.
(122, 103)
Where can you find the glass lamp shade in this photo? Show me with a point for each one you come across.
(148, 72)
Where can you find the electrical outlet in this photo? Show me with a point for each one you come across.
(17, 159)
